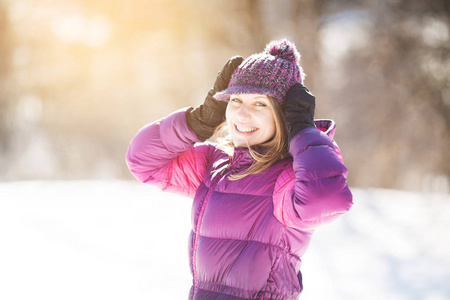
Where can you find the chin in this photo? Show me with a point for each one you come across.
(239, 144)
(243, 144)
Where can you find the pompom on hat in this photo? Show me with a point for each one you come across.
(271, 72)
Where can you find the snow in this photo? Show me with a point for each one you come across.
(126, 240)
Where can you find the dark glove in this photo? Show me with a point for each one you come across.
(299, 109)
(204, 119)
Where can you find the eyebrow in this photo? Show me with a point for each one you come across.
(262, 98)
(257, 97)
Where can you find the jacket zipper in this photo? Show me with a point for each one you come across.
(200, 217)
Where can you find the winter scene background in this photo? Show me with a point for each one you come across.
(79, 78)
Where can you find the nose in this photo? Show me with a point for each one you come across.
(243, 114)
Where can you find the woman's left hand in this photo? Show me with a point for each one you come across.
(299, 109)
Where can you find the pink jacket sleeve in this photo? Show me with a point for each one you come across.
(314, 190)
(163, 154)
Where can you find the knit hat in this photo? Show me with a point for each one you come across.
(271, 72)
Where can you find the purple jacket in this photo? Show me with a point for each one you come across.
(247, 235)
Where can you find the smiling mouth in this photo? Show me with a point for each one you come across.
(245, 129)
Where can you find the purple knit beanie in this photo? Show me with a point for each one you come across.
(271, 72)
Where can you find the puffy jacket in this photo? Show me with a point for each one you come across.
(247, 235)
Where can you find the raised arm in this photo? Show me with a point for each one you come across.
(314, 190)
(163, 154)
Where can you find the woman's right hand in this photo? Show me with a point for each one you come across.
(204, 119)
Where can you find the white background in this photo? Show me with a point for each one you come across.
(126, 240)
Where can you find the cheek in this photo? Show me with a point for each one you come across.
(269, 121)
(270, 129)
(228, 115)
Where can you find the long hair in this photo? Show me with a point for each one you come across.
(264, 155)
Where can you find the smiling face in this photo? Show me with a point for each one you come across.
(250, 119)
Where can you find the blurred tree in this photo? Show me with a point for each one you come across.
(5, 82)
(393, 84)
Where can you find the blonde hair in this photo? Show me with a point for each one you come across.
(268, 152)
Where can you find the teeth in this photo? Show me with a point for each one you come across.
(245, 129)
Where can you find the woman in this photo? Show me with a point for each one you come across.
(259, 193)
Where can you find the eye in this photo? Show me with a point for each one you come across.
(235, 100)
(260, 104)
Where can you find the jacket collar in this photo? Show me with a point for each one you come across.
(326, 126)
(242, 157)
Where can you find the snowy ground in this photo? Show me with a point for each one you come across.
(125, 240)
